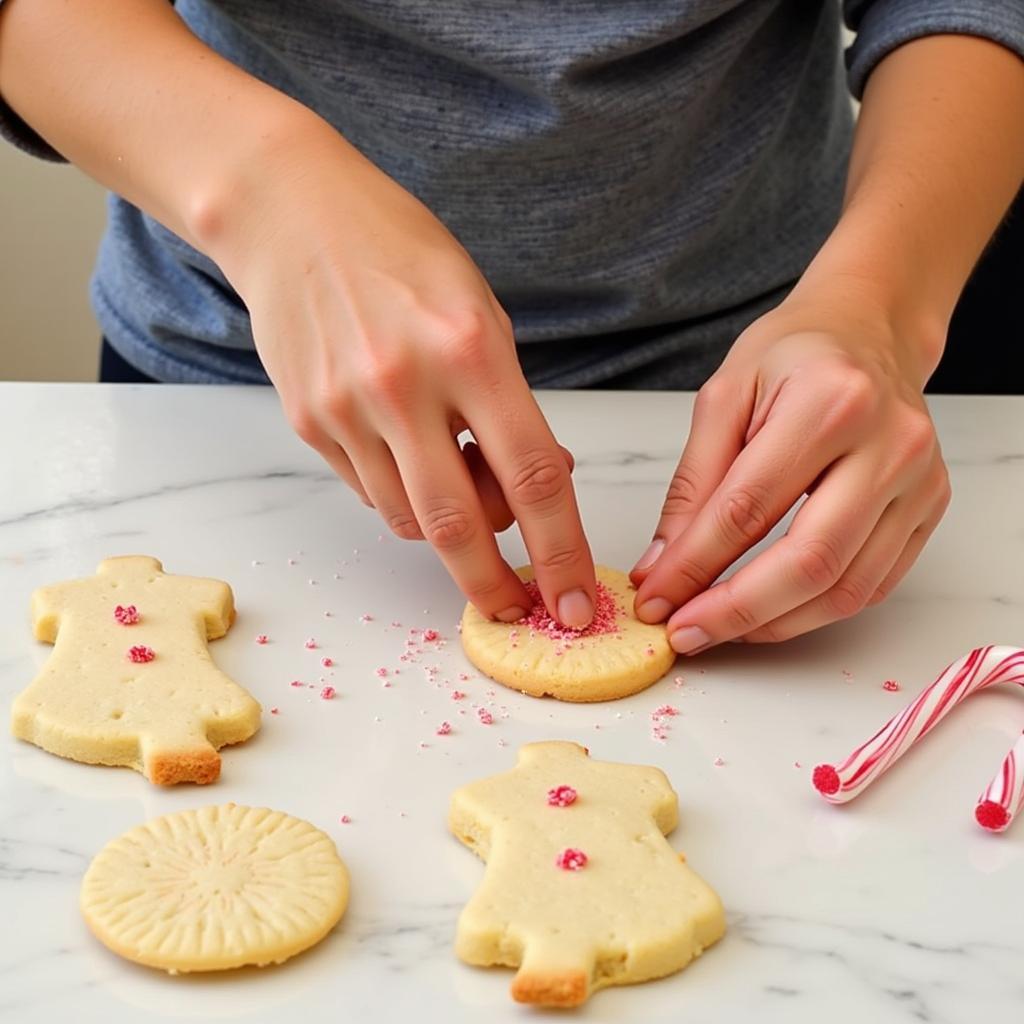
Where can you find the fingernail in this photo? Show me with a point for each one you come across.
(689, 639)
(650, 556)
(575, 609)
(655, 610)
(513, 614)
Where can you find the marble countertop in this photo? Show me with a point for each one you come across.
(893, 908)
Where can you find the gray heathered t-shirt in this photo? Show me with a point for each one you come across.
(637, 179)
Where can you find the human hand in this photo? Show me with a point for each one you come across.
(821, 397)
(385, 342)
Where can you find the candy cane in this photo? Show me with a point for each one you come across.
(983, 667)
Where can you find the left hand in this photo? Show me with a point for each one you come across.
(821, 396)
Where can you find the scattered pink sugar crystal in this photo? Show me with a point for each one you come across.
(718, 762)
(126, 615)
(571, 860)
(327, 662)
(365, 617)
(458, 695)
(486, 718)
(891, 685)
(444, 729)
(561, 796)
(140, 654)
(345, 820)
(666, 710)
(430, 635)
(262, 638)
(382, 672)
(327, 693)
(297, 682)
(310, 644)
(275, 711)
(605, 620)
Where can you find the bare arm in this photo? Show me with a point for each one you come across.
(380, 334)
(823, 395)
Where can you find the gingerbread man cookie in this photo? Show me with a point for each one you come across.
(581, 890)
(130, 680)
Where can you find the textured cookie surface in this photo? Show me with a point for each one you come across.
(581, 889)
(215, 888)
(130, 680)
(613, 657)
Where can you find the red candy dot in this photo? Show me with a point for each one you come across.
(825, 779)
(991, 815)
(561, 796)
(891, 685)
(430, 635)
(126, 615)
(140, 654)
(571, 860)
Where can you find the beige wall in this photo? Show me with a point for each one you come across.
(50, 223)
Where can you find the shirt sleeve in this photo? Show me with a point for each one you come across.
(14, 130)
(883, 25)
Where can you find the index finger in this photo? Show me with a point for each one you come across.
(530, 466)
(763, 484)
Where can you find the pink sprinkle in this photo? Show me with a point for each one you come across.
(327, 662)
(262, 638)
(444, 729)
(797, 764)
(275, 711)
(327, 693)
(127, 616)
(365, 617)
(382, 672)
(561, 796)
(140, 654)
(345, 820)
(486, 718)
(718, 762)
(430, 635)
(571, 860)
(605, 620)
(665, 710)
(463, 677)
(310, 644)
(891, 685)
(296, 682)
(458, 695)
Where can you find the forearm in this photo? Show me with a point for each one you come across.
(938, 156)
(125, 91)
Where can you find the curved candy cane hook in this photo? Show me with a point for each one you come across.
(983, 667)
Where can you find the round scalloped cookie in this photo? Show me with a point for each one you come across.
(613, 657)
(215, 888)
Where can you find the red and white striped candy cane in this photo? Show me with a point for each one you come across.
(983, 667)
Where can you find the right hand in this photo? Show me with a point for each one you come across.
(385, 342)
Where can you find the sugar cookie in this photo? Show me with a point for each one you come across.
(215, 888)
(130, 680)
(616, 655)
(581, 889)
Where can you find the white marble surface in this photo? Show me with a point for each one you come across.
(895, 907)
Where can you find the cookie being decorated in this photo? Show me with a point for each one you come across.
(130, 680)
(614, 656)
(215, 888)
(581, 890)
